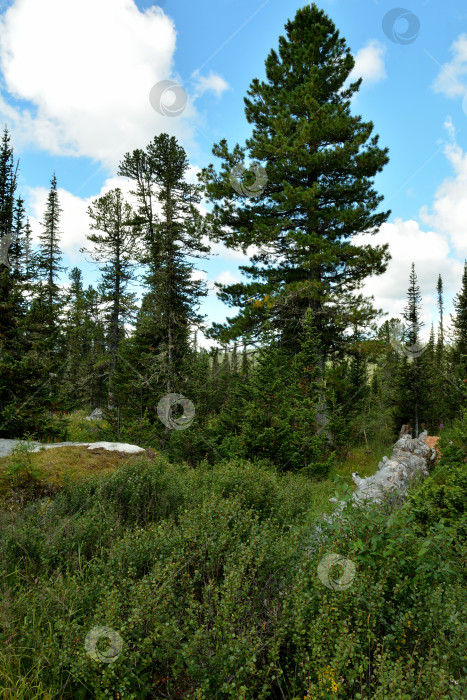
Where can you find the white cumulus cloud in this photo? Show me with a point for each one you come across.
(448, 214)
(210, 82)
(83, 71)
(429, 251)
(369, 63)
(451, 81)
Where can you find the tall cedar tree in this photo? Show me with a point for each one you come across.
(320, 161)
(114, 250)
(169, 310)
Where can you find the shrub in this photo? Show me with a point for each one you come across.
(444, 495)
(209, 578)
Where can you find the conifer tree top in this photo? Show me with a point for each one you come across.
(320, 162)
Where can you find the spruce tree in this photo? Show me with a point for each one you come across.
(197, 386)
(271, 416)
(27, 267)
(459, 323)
(432, 385)
(75, 386)
(50, 255)
(17, 244)
(224, 373)
(169, 309)
(320, 161)
(413, 403)
(234, 360)
(440, 343)
(8, 184)
(48, 310)
(95, 349)
(114, 249)
(358, 369)
(27, 254)
(216, 393)
(444, 399)
(245, 363)
(12, 385)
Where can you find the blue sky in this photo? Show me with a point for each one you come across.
(75, 79)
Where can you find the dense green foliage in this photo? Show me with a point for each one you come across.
(444, 496)
(207, 576)
(316, 374)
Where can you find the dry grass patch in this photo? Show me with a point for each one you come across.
(78, 462)
(50, 467)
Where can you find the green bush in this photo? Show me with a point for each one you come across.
(210, 577)
(444, 495)
(20, 466)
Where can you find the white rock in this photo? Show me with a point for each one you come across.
(116, 447)
(6, 446)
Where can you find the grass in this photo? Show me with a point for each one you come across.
(360, 460)
(51, 468)
(189, 566)
(202, 572)
(81, 430)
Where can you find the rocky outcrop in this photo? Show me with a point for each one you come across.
(410, 457)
